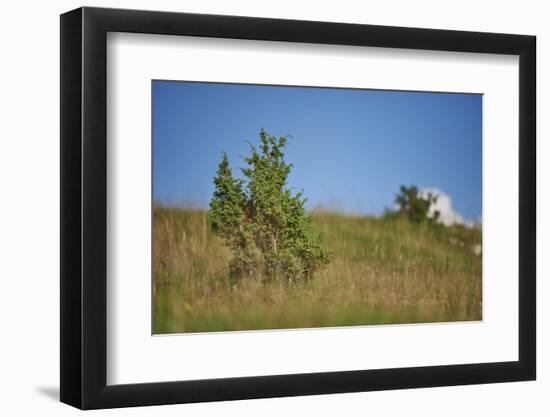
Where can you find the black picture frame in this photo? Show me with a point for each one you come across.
(84, 208)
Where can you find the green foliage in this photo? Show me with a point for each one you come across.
(415, 206)
(266, 226)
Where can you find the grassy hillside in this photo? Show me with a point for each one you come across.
(381, 271)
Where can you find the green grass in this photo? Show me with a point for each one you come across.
(382, 271)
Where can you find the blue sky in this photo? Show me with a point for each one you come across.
(351, 149)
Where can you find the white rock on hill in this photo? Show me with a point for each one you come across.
(444, 204)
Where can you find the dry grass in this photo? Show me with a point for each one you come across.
(381, 271)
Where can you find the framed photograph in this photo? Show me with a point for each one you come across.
(258, 208)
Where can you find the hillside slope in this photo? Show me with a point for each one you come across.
(382, 271)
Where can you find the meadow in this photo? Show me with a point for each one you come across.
(381, 271)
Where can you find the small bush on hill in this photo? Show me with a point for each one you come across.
(265, 225)
(415, 206)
